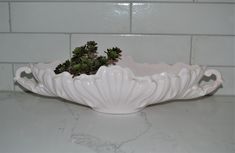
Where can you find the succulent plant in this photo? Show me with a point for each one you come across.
(85, 60)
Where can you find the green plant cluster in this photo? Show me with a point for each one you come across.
(85, 60)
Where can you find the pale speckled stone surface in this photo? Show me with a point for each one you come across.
(34, 124)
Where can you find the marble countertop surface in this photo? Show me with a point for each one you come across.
(35, 124)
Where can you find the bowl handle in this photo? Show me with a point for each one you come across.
(209, 88)
(31, 84)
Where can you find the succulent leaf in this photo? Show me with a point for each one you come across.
(85, 60)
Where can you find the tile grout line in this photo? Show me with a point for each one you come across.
(17, 62)
(127, 33)
(70, 45)
(13, 63)
(131, 6)
(190, 50)
(121, 1)
(9, 13)
(13, 72)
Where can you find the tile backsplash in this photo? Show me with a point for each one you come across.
(154, 31)
(143, 48)
(33, 47)
(4, 17)
(70, 17)
(183, 18)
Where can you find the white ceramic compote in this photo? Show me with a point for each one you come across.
(123, 88)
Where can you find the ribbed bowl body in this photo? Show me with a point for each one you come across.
(124, 88)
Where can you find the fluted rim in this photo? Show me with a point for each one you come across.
(116, 89)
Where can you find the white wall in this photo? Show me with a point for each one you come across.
(190, 31)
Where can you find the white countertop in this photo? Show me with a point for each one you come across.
(34, 124)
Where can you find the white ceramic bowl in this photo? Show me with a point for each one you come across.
(124, 88)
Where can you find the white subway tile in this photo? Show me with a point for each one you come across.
(70, 17)
(143, 48)
(4, 17)
(228, 74)
(213, 50)
(222, 1)
(6, 79)
(186, 18)
(33, 47)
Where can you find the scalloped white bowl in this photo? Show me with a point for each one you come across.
(124, 88)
